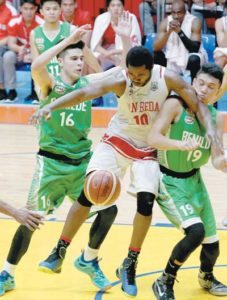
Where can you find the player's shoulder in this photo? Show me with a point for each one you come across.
(174, 102)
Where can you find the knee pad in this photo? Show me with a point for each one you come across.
(145, 202)
(82, 200)
(195, 233)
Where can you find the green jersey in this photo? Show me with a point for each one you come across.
(66, 133)
(185, 128)
(43, 43)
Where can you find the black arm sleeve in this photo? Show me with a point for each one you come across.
(191, 46)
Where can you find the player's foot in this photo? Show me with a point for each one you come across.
(7, 282)
(163, 287)
(208, 282)
(92, 269)
(127, 273)
(53, 262)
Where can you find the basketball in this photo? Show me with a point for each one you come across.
(102, 187)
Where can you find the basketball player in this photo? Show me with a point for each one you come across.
(141, 91)
(63, 156)
(182, 196)
(26, 217)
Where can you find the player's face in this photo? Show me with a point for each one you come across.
(68, 7)
(72, 63)
(28, 11)
(115, 8)
(206, 87)
(139, 75)
(51, 11)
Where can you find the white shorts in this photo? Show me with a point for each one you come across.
(144, 174)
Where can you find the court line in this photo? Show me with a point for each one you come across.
(99, 294)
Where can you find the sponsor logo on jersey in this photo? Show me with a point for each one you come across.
(154, 86)
(189, 118)
(40, 46)
(59, 89)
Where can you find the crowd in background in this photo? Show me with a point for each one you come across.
(177, 33)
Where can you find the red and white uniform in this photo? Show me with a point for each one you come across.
(7, 12)
(125, 141)
(18, 29)
(81, 17)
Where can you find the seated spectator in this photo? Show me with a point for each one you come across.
(19, 29)
(148, 12)
(71, 13)
(7, 11)
(104, 42)
(180, 35)
(220, 53)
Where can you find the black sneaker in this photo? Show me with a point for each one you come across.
(53, 262)
(208, 282)
(163, 287)
(3, 95)
(12, 96)
(33, 96)
(127, 274)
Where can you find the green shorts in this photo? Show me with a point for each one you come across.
(53, 180)
(185, 202)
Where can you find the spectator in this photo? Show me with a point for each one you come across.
(148, 12)
(180, 35)
(104, 41)
(7, 11)
(18, 42)
(200, 4)
(71, 13)
(220, 53)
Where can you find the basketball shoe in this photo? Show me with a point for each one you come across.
(127, 273)
(7, 282)
(208, 282)
(53, 262)
(92, 269)
(163, 287)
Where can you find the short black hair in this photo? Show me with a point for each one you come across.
(42, 2)
(79, 45)
(33, 2)
(139, 56)
(213, 70)
(108, 2)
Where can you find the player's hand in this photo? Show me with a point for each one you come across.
(44, 112)
(216, 143)
(175, 26)
(189, 145)
(30, 219)
(124, 26)
(220, 162)
(78, 33)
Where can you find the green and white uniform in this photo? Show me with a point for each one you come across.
(43, 43)
(182, 193)
(65, 151)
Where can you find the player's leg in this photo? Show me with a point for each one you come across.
(144, 183)
(41, 186)
(176, 201)
(210, 250)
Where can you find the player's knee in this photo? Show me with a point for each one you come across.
(82, 200)
(145, 202)
(195, 233)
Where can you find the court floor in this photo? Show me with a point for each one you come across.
(17, 160)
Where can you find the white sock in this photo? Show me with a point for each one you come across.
(9, 268)
(90, 254)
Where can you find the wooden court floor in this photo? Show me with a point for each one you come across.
(17, 161)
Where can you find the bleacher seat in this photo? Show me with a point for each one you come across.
(209, 44)
(149, 41)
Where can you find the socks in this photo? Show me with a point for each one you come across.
(62, 245)
(90, 254)
(133, 253)
(172, 268)
(9, 268)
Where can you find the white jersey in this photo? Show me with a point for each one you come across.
(138, 108)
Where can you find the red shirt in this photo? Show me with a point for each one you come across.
(18, 29)
(81, 17)
(108, 37)
(7, 11)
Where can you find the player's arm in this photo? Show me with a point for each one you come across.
(12, 44)
(162, 36)
(169, 113)
(24, 216)
(91, 60)
(34, 50)
(220, 33)
(105, 82)
(219, 161)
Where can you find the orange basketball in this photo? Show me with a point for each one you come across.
(102, 187)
